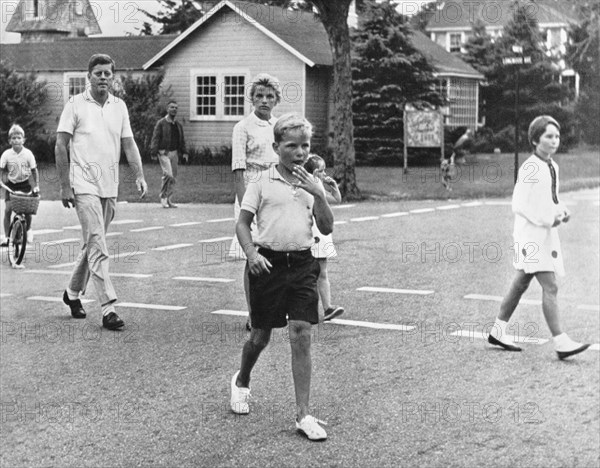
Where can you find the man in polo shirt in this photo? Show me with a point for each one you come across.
(94, 126)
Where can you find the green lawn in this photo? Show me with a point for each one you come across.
(484, 175)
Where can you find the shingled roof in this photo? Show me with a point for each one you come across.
(443, 61)
(462, 14)
(129, 53)
(58, 16)
(300, 32)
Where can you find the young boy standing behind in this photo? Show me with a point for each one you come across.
(17, 165)
(283, 272)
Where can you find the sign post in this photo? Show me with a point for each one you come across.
(422, 129)
(516, 61)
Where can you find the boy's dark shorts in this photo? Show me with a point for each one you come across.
(289, 292)
(24, 186)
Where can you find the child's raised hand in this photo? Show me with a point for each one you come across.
(566, 216)
(559, 218)
(308, 182)
(330, 181)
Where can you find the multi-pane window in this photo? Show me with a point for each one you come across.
(76, 85)
(462, 95)
(455, 42)
(220, 95)
(233, 95)
(206, 95)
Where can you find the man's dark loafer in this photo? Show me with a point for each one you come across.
(497, 342)
(565, 354)
(112, 321)
(75, 306)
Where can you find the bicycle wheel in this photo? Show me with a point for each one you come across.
(17, 241)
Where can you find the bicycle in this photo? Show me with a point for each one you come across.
(22, 204)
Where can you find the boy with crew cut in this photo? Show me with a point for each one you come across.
(282, 271)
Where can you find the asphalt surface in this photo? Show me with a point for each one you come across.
(156, 394)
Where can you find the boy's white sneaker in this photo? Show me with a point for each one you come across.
(240, 396)
(309, 426)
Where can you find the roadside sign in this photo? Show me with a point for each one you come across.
(516, 60)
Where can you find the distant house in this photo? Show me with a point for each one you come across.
(451, 25)
(209, 67)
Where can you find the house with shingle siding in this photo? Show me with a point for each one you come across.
(208, 68)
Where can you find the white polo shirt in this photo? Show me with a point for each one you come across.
(96, 142)
(284, 221)
(18, 165)
(252, 143)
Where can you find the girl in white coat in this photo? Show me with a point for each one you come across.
(538, 213)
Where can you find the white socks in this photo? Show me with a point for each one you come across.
(73, 295)
(107, 309)
(564, 343)
(498, 331)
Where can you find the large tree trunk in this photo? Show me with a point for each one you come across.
(334, 15)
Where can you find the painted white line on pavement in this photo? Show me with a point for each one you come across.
(595, 308)
(216, 239)
(112, 275)
(148, 306)
(171, 247)
(596, 203)
(77, 227)
(45, 231)
(498, 203)
(239, 313)
(355, 323)
(447, 207)
(380, 326)
(150, 228)
(473, 203)
(420, 292)
(5, 295)
(126, 221)
(595, 347)
(131, 275)
(208, 280)
(340, 222)
(484, 336)
(54, 299)
(220, 220)
(190, 223)
(422, 210)
(484, 297)
(61, 241)
(365, 218)
(113, 234)
(341, 207)
(394, 215)
(62, 265)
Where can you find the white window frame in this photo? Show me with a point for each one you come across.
(67, 82)
(460, 41)
(220, 75)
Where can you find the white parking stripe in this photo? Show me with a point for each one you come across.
(380, 326)
(126, 221)
(77, 227)
(171, 247)
(447, 207)
(498, 203)
(595, 308)
(238, 313)
(420, 292)
(483, 336)
(208, 280)
(5, 294)
(113, 234)
(62, 265)
(473, 203)
(61, 241)
(54, 299)
(595, 347)
(113, 275)
(216, 239)
(394, 215)
(150, 228)
(340, 222)
(341, 207)
(40, 232)
(483, 297)
(365, 218)
(136, 305)
(422, 210)
(190, 223)
(220, 220)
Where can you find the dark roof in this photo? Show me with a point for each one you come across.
(462, 14)
(59, 16)
(129, 53)
(444, 62)
(301, 31)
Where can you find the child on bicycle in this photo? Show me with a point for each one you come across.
(18, 165)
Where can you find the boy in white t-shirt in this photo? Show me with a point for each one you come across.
(18, 165)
